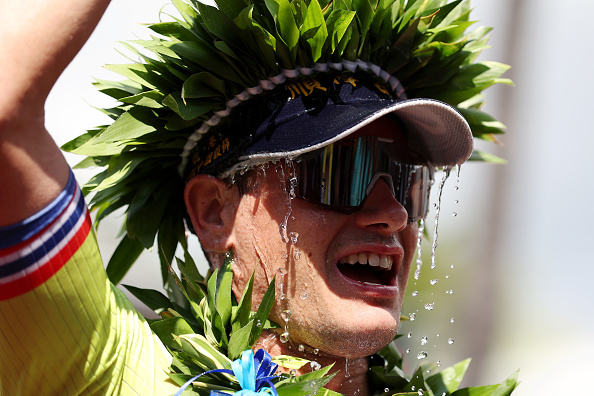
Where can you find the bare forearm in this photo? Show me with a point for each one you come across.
(39, 39)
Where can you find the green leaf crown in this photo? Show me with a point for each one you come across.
(200, 63)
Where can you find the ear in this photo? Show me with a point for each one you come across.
(212, 204)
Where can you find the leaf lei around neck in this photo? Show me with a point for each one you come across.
(205, 328)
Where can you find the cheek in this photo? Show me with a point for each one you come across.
(409, 238)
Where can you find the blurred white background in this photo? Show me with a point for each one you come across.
(521, 239)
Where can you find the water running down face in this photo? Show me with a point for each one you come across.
(346, 273)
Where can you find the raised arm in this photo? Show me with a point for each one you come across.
(39, 39)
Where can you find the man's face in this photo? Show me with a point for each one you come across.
(343, 309)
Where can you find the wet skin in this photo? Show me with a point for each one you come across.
(345, 311)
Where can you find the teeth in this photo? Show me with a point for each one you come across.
(384, 262)
(362, 258)
(372, 259)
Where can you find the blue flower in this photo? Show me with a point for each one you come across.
(252, 373)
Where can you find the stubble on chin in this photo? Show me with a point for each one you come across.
(350, 343)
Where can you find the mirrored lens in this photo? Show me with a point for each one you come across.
(342, 174)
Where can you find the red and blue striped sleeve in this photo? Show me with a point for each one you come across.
(34, 250)
(64, 328)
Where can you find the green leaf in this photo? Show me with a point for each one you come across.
(212, 287)
(80, 140)
(449, 379)
(203, 85)
(147, 208)
(417, 381)
(338, 22)
(122, 259)
(88, 162)
(365, 16)
(223, 293)
(173, 29)
(241, 316)
(314, 29)
(481, 122)
(170, 232)
(119, 167)
(239, 341)
(169, 329)
(207, 58)
(482, 156)
(139, 73)
(185, 9)
(131, 125)
(231, 7)
(150, 99)
(151, 298)
(306, 384)
(204, 354)
(263, 311)
(290, 362)
(188, 109)
(285, 23)
(392, 356)
(220, 24)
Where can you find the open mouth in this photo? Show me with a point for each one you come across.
(367, 267)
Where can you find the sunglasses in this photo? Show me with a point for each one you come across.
(341, 175)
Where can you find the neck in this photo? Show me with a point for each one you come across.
(351, 374)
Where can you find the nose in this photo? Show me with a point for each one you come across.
(381, 211)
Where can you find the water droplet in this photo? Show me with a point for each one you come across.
(316, 351)
(446, 174)
(452, 320)
(284, 338)
(346, 368)
(294, 236)
(439, 363)
(433, 281)
(422, 355)
(258, 323)
(304, 295)
(421, 393)
(301, 348)
(456, 201)
(282, 271)
(409, 335)
(454, 214)
(420, 236)
(286, 315)
(293, 373)
(386, 389)
(315, 366)
(447, 276)
(415, 293)
(297, 256)
(412, 316)
(450, 341)
(424, 340)
(408, 351)
(452, 266)
(413, 387)
(451, 291)
(429, 306)
(456, 188)
(293, 182)
(283, 231)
